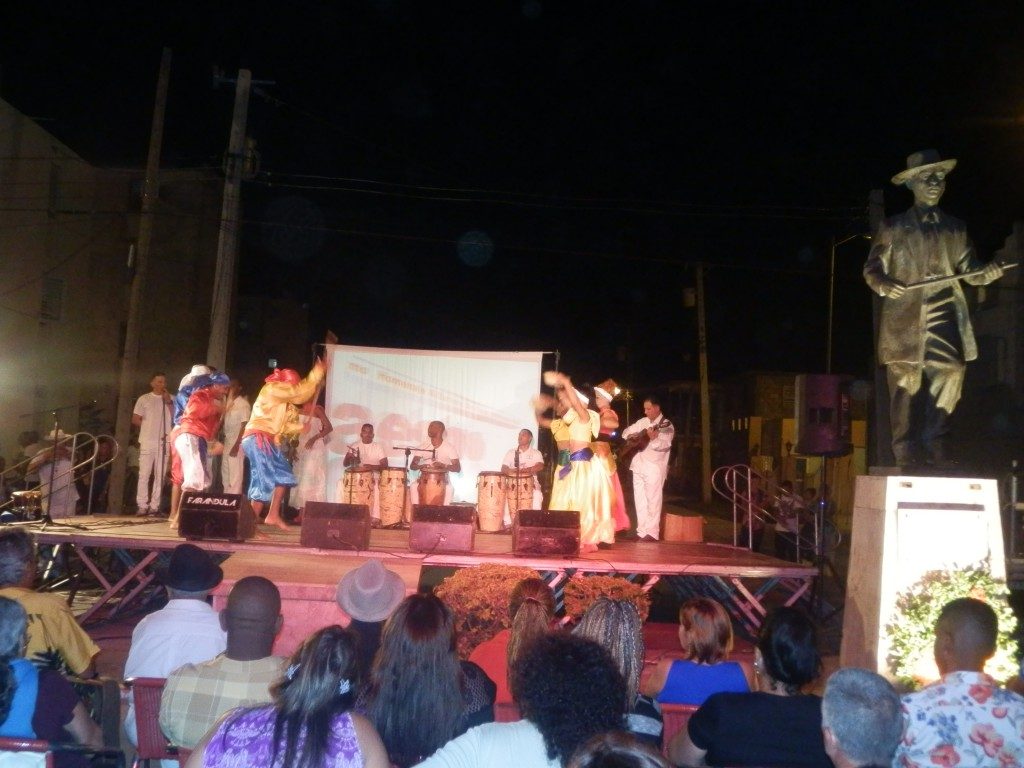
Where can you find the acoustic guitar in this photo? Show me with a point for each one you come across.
(636, 443)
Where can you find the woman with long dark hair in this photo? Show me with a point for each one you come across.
(420, 695)
(309, 724)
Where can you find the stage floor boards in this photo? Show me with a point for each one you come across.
(660, 558)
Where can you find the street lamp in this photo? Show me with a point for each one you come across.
(832, 293)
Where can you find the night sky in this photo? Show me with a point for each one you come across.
(541, 175)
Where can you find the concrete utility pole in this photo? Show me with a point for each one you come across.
(150, 193)
(227, 248)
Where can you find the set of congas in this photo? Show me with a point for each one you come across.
(494, 490)
(358, 486)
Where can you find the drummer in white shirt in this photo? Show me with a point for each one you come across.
(523, 461)
(436, 453)
(366, 453)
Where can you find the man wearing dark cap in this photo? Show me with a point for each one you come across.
(924, 333)
(197, 694)
(186, 630)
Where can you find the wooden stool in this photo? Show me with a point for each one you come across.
(684, 528)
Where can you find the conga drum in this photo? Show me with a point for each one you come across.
(432, 485)
(519, 493)
(357, 486)
(392, 495)
(490, 500)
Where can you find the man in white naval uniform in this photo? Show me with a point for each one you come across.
(650, 468)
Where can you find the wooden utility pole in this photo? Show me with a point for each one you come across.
(227, 247)
(705, 394)
(150, 193)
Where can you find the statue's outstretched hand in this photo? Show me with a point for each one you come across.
(993, 271)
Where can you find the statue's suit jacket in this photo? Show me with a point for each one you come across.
(902, 250)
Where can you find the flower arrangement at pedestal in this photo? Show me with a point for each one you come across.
(479, 599)
(582, 591)
(912, 630)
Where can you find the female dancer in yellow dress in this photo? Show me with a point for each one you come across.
(581, 482)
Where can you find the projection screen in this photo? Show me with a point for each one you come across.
(482, 397)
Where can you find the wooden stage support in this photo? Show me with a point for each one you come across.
(742, 579)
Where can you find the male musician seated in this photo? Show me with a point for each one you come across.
(523, 461)
(367, 454)
(437, 454)
(364, 452)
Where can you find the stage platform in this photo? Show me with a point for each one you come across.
(122, 554)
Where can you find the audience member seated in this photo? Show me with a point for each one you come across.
(310, 722)
(617, 750)
(705, 634)
(55, 640)
(531, 607)
(369, 594)
(568, 689)
(964, 718)
(616, 626)
(195, 695)
(38, 703)
(186, 631)
(861, 720)
(776, 726)
(420, 695)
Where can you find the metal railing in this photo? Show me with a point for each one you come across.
(753, 498)
(89, 452)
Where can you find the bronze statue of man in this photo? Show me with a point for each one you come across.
(924, 335)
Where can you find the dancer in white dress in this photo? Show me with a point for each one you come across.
(311, 459)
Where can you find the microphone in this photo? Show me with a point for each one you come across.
(517, 458)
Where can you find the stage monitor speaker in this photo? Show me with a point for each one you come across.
(437, 528)
(823, 415)
(222, 516)
(335, 526)
(554, 532)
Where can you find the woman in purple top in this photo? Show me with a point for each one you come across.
(309, 724)
(705, 634)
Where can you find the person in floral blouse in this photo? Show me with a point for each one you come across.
(965, 718)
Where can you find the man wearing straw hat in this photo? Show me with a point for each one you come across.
(369, 594)
(924, 332)
(54, 465)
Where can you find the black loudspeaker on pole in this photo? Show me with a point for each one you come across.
(823, 415)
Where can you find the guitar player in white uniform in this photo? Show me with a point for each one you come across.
(650, 468)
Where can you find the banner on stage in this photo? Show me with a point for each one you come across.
(482, 397)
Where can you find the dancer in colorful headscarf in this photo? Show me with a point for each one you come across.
(275, 417)
(194, 434)
(604, 393)
(580, 483)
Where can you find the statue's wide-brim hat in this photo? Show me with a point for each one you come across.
(925, 160)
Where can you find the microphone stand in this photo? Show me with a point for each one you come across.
(515, 506)
(405, 489)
